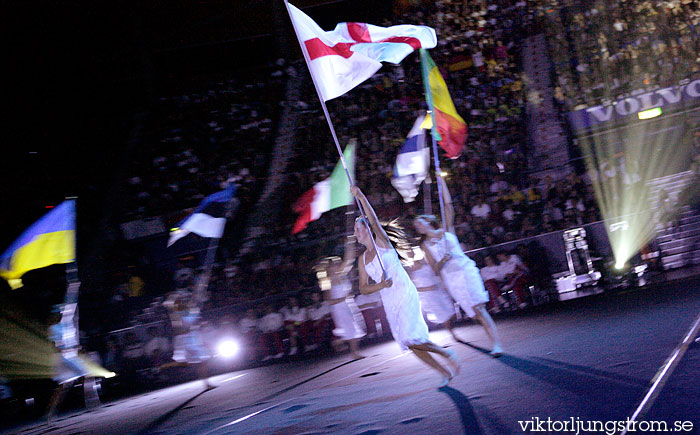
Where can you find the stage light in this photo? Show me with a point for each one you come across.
(619, 266)
(651, 113)
(619, 226)
(227, 348)
(630, 166)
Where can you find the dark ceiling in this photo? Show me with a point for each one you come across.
(79, 70)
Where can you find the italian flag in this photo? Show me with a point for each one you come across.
(333, 192)
(449, 129)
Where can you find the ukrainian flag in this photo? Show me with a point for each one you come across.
(51, 240)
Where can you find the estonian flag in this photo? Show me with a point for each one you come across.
(413, 161)
(208, 219)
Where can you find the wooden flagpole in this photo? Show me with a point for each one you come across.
(69, 311)
(434, 134)
(204, 278)
(335, 137)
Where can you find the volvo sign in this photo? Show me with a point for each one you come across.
(682, 94)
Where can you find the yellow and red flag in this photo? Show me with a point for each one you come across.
(449, 129)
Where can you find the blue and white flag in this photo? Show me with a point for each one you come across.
(208, 219)
(412, 162)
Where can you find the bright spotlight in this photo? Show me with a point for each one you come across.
(619, 226)
(227, 348)
(619, 266)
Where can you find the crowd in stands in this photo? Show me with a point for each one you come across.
(603, 50)
(197, 141)
(496, 199)
(479, 55)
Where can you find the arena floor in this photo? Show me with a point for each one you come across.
(576, 362)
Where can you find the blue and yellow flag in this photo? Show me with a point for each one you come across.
(50, 240)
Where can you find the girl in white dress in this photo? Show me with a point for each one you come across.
(343, 309)
(398, 292)
(434, 299)
(189, 349)
(69, 366)
(458, 272)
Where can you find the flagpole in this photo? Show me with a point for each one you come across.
(434, 134)
(204, 278)
(69, 311)
(72, 268)
(438, 173)
(335, 137)
(427, 199)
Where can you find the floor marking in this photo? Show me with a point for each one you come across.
(248, 416)
(233, 377)
(363, 370)
(664, 373)
(296, 397)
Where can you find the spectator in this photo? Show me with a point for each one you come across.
(271, 326)
(516, 277)
(493, 277)
(296, 321)
(320, 318)
(481, 210)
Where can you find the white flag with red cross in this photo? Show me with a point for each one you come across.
(343, 58)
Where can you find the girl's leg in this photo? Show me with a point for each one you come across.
(448, 325)
(354, 348)
(203, 374)
(428, 359)
(482, 315)
(381, 314)
(370, 322)
(434, 348)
